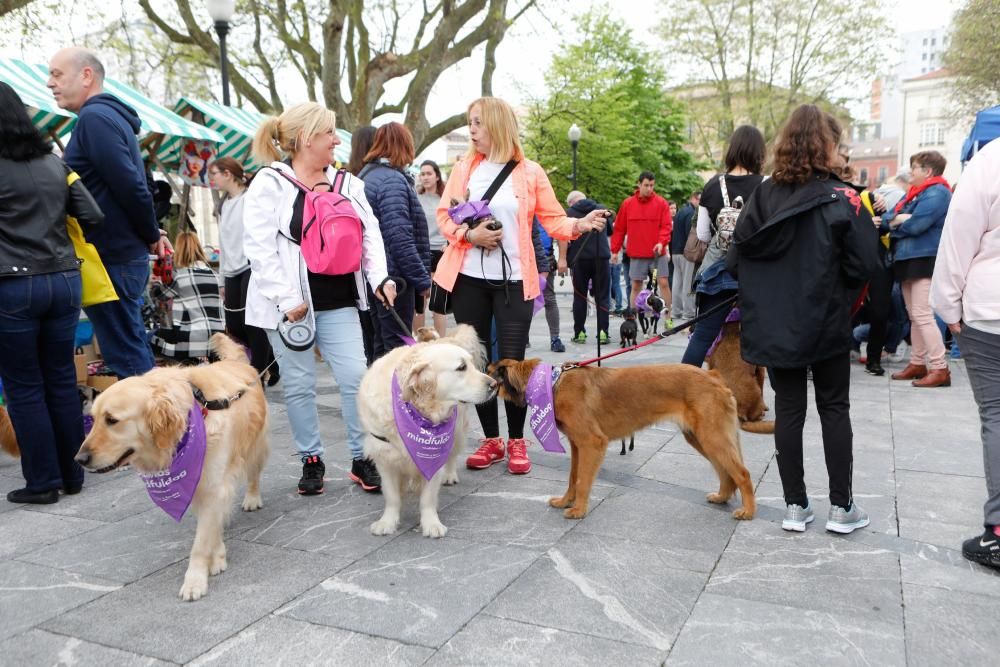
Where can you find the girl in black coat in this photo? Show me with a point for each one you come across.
(803, 248)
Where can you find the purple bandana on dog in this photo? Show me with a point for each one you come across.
(173, 489)
(470, 210)
(733, 316)
(540, 299)
(541, 411)
(428, 444)
(640, 301)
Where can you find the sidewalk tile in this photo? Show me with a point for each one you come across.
(38, 647)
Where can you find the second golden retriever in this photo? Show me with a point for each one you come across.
(746, 381)
(140, 420)
(595, 405)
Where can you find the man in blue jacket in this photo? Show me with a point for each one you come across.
(104, 151)
(590, 256)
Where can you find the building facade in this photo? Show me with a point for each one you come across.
(928, 122)
(875, 161)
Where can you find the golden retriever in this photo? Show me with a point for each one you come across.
(435, 377)
(8, 439)
(594, 405)
(139, 421)
(746, 381)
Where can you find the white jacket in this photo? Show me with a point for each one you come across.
(966, 283)
(279, 280)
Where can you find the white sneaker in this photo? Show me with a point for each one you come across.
(899, 355)
(846, 521)
(796, 517)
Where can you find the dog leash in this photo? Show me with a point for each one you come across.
(660, 336)
(400, 288)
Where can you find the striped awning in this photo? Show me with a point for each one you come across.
(238, 126)
(161, 128)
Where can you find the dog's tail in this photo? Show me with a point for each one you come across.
(763, 427)
(228, 349)
(8, 440)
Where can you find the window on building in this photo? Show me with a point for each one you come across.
(925, 41)
(933, 41)
(931, 134)
(883, 174)
(863, 175)
(923, 56)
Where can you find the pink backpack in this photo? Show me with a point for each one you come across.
(331, 229)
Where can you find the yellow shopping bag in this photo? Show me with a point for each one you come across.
(97, 285)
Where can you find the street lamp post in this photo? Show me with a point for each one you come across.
(574, 139)
(221, 12)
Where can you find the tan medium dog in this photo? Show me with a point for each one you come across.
(595, 405)
(8, 439)
(435, 377)
(140, 420)
(746, 381)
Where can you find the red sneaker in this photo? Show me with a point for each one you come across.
(518, 462)
(491, 450)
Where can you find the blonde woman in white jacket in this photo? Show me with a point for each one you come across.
(281, 288)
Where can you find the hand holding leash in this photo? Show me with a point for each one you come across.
(593, 221)
(484, 237)
(297, 313)
(386, 292)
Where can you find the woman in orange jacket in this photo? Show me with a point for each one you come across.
(491, 273)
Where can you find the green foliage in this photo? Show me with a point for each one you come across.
(613, 90)
(974, 54)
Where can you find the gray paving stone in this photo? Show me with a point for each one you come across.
(964, 577)
(31, 594)
(492, 641)
(693, 470)
(812, 570)
(259, 580)
(693, 535)
(881, 507)
(37, 647)
(950, 627)
(940, 509)
(25, 531)
(723, 631)
(604, 587)
(8, 483)
(103, 502)
(414, 589)
(270, 642)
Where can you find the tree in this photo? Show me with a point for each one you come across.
(8, 6)
(613, 90)
(349, 51)
(974, 55)
(756, 60)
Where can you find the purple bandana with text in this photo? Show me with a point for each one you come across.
(541, 410)
(540, 299)
(173, 489)
(428, 444)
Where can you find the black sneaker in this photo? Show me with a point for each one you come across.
(874, 369)
(363, 472)
(984, 550)
(313, 469)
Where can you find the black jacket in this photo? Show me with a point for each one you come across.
(591, 244)
(802, 253)
(682, 227)
(34, 202)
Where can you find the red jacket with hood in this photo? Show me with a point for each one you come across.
(645, 222)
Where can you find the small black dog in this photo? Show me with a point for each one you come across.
(654, 304)
(628, 330)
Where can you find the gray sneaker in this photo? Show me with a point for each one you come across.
(796, 517)
(846, 521)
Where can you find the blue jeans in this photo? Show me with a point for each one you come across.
(38, 318)
(616, 285)
(955, 353)
(338, 334)
(118, 324)
(706, 330)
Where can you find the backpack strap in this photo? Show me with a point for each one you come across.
(339, 181)
(498, 181)
(725, 192)
(297, 183)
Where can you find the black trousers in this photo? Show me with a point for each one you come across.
(387, 334)
(254, 338)
(585, 271)
(832, 383)
(879, 305)
(479, 303)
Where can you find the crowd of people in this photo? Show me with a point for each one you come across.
(788, 216)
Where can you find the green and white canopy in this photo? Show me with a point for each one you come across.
(161, 129)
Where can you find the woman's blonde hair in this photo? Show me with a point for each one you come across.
(278, 136)
(188, 250)
(500, 122)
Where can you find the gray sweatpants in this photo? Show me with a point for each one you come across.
(981, 352)
(551, 307)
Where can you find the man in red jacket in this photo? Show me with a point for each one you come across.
(645, 219)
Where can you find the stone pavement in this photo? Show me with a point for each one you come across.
(653, 575)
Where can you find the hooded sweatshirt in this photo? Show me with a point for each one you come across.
(104, 151)
(645, 222)
(592, 244)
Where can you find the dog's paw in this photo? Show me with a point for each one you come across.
(218, 565)
(433, 529)
(252, 503)
(717, 498)
(575, 512)
(384, 527)
(743, 514)
(450, 478)
(559, 502)
(195, 586)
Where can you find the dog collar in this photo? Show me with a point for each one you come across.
(216, 404)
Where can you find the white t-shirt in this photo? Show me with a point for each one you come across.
(232, 261)
(480, 263)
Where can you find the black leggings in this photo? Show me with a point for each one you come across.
(254, 338)
(879, 304)
(479, 302)
(832, 383)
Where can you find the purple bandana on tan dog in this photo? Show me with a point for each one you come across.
(173, 489)
(733, 316)
(427, 443)
(541, 410)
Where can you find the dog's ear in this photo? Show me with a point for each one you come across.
(513, 377)
(420, 383)
(165, 420)
(426, 334)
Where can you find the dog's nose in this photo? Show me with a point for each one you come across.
(493, 383)
(82, 457)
